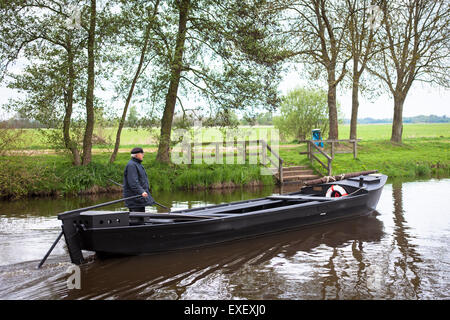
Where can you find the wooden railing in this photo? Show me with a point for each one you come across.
(311, 156)
(278, 163)
(265, 148)
(313, 149)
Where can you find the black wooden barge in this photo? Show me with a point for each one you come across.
(131, 233)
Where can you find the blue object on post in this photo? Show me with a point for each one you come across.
(317, 136)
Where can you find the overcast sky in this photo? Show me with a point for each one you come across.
(422, 99)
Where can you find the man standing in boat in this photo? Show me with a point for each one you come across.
(135, 182)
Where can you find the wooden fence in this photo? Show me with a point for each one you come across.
(243, 149)
(313, 149)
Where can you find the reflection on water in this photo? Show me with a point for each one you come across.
(405, 264)
(398, 252)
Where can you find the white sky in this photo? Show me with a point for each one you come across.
(422, 99)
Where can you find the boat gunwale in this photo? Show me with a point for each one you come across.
(228, 218)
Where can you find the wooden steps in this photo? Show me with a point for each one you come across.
(297, 174)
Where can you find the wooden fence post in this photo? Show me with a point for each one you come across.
(217, 152)
(264, 151)
(280, 170)
(332, 149)
(309, 150)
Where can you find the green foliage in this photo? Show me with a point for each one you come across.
(10, 139)
(262, 119)
(301, 111)
(18, 179)
(52, 174)
(132, 118)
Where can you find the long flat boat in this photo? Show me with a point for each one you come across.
(131, 233)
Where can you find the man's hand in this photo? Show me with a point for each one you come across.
(145, 194)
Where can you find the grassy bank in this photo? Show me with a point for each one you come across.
(418, 157)
(54, 174)
(425, 152)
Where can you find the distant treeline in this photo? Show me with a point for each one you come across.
(264, 119)
(417, 119)
(21, 124)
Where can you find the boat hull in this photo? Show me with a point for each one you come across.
(146, 239)
(113, 233)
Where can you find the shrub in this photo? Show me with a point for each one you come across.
(301, 111)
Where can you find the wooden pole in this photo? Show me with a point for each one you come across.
(332, 150)
(338, 177)
(51, 249)
(280, 170)
(217, 152)
(309, 150)
(264, 152)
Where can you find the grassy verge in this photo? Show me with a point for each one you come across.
(53, 174)
(424, 157)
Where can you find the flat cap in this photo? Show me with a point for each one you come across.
(137, 150)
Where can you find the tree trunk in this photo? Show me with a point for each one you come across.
(355, 106)
(130, 94)
(87, 141)
(397, 124)
(166, 122)
(70, 145)
(332, 109)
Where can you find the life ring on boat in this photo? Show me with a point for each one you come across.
(336, 191)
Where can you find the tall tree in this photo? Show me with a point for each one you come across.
(176, 66)
(143, 42)
(208, 57)
(319, 31)
(30, 26)
(416, 34)
(44, 37)
(362, 28)
(90, 118)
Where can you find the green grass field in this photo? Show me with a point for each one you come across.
(34, 140)
(383, 131)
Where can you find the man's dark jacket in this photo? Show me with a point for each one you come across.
(135, 181)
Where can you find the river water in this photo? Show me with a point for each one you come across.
(401, 251)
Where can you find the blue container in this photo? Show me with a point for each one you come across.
(317, 136)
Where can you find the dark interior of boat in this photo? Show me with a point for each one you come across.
(307, 194)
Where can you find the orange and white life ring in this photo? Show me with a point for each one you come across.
(336, 191)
